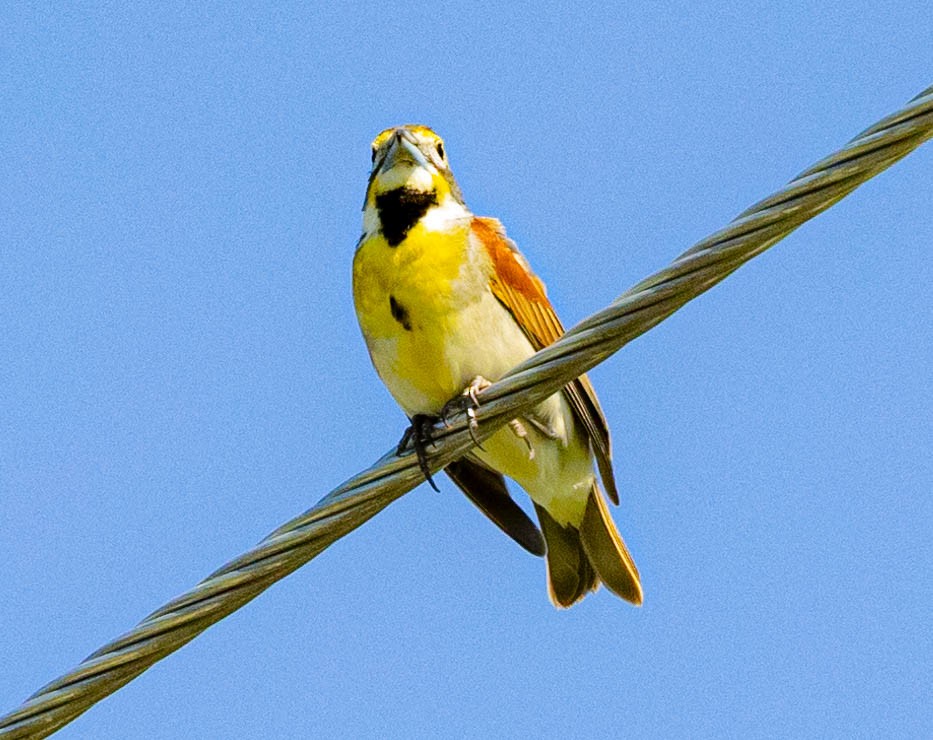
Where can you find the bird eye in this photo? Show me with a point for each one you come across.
(374, 155)
(440, 150)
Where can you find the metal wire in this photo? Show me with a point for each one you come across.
(589, 343)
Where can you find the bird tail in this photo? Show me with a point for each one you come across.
(579, 558)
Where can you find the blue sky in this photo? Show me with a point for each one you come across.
(181, 370)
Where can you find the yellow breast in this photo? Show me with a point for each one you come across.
(409, 301)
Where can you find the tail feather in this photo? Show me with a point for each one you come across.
(606, 550)
(569, 573)
(579, 558)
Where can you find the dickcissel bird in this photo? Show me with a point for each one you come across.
(447, 304)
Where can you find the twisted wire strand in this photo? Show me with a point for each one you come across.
(586, 345)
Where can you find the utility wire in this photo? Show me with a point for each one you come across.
(586, 345)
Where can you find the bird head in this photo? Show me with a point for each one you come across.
(411, 158)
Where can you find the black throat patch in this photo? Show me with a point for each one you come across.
(400, 209)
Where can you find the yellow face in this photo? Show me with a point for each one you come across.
(411, 157)
(421, 134)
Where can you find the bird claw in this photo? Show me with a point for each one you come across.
(419, 436)
(518, 429)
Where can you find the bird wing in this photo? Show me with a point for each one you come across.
(524, 296)
(486, 488)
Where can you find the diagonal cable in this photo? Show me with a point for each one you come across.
(586, 345)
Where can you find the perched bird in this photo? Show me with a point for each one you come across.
(447, 304)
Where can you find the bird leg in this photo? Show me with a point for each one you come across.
(418, 435)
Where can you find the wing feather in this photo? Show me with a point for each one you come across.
(523, 294)
(486, 489)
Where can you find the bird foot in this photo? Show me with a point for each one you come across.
(518, 429)
(468, 402)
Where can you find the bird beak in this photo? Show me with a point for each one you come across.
(402, 150)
